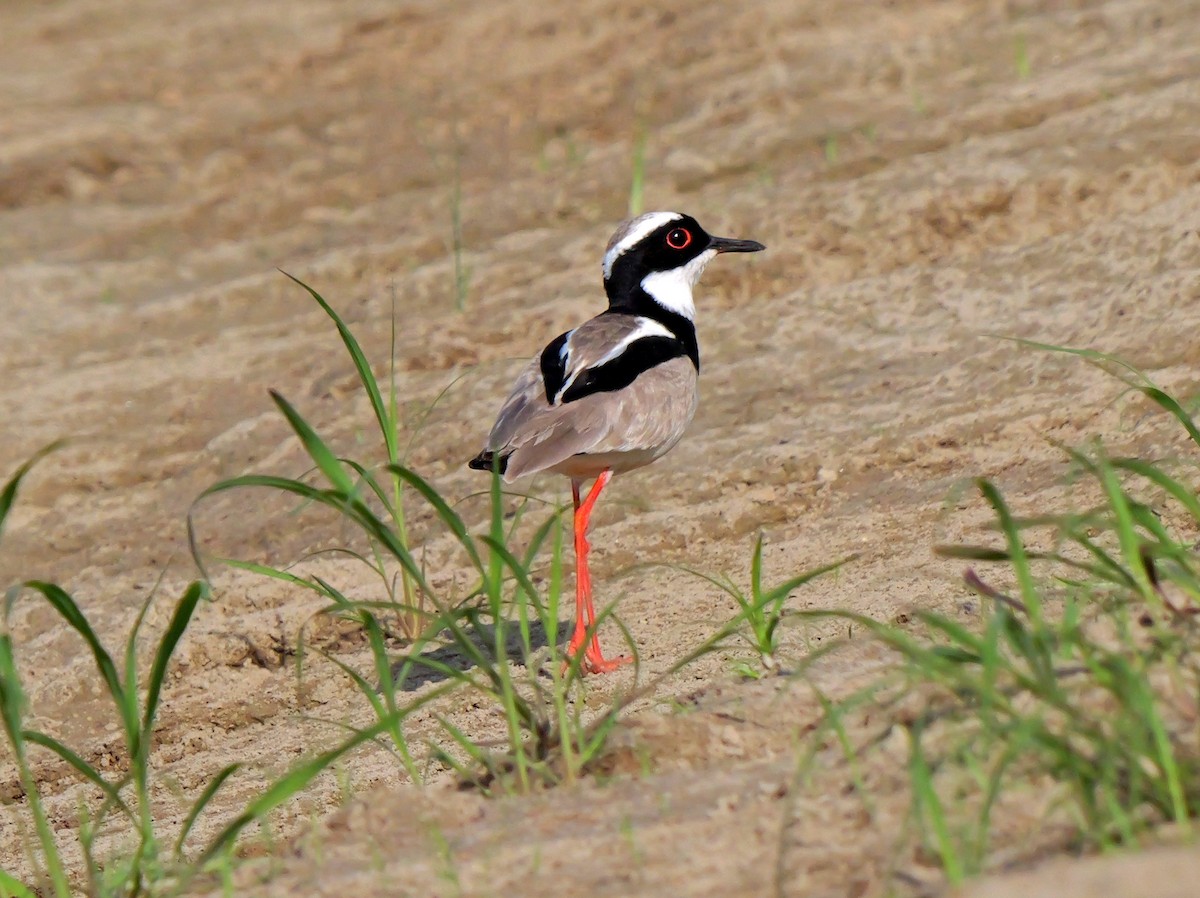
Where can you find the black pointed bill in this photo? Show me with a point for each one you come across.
(728, 245)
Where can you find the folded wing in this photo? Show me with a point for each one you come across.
(617, 384)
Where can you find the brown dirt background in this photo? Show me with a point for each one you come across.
(916, 191)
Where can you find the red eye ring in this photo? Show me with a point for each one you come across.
(680, 238)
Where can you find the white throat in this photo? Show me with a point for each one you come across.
(673, 289)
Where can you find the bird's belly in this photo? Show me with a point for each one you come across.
(588, 464)
(619, 461)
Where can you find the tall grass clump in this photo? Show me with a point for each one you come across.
(760, 612)
(399, 585)
(497, 640)
(146, 858)
(136, 701)
(1075, 699)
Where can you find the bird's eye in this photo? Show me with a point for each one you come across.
(679, 238)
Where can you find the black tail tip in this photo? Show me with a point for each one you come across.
(485, 459)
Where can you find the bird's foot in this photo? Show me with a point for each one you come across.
(595, 663)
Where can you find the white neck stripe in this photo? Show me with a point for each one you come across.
(646, 327)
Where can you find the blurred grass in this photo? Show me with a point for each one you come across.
(1080, 686)
(637, 180)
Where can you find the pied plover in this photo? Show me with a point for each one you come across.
(618, 391)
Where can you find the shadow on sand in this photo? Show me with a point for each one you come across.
(423, 669)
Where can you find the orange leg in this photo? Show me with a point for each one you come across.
(585, 613)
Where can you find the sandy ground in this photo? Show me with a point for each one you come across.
(925, 174)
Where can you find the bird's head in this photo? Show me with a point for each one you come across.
(658, 257)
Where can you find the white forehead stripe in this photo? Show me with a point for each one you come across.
(632, 233)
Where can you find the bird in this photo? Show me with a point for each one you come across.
(615, 393)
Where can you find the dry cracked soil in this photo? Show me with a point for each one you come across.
(928, 176)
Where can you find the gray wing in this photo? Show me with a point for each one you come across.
(535, 432)
(525, 404)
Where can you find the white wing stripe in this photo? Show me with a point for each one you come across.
(646, 327)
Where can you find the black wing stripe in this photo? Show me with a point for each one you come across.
(554, 366)
(485, 459)
(637, 358)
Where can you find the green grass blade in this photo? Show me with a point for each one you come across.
(360, 681)
(202, 802)
(274, 573)
(138, 747)
(478, 755)
(264, 481)
(833, 717)
(12, 711)
(166, 648)
(9, 494)
(539, 538)
(69, 610)
(520, 573)
(346, 503)
(929, 805)
(1168, 403)
(85, 769)
(323, 457)
(756, 568)
(448, 515)
(637, 183)
(1139, 382)
(959, 635)
(11, 887)
(1094, 356)
(1163, 754)
(304, 773)
(1127, 535)
(287, 786)
(720, 582)
(781, 591)
(1030, 596)
(365, 375)
(1179, 491)
(369, 479)
(331, 498)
